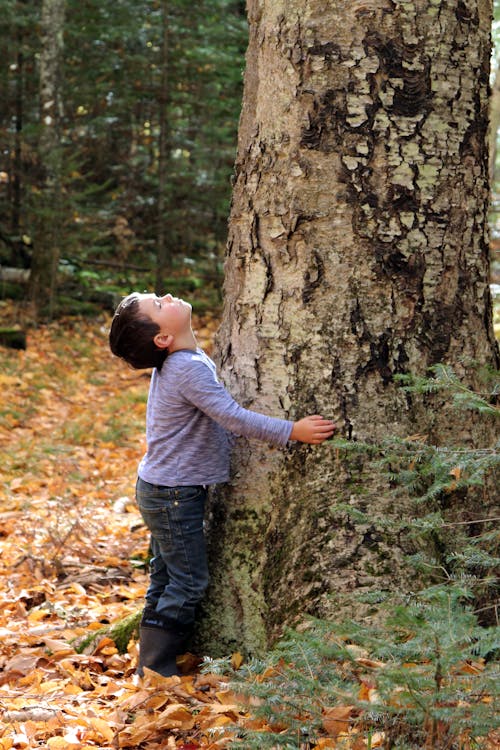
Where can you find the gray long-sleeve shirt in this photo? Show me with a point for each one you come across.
(189, 418)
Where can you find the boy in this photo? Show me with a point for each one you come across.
(189, 418)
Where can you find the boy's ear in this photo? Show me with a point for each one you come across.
(163, 340)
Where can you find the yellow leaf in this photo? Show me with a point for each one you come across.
(58, 743)
(48, 686)
(221, 721)
(38, 614)
(8, 379)
(230, 708)
(78, 588)
(102, 727)
(236, 660)
(226, 697)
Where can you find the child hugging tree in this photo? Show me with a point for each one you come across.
(189, 422)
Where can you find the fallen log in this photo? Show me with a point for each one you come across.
(14, 275)
(13, 338)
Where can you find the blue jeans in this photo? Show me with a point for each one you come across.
(178, 568)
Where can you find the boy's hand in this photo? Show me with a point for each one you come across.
(312, 430)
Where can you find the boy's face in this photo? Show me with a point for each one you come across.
(171, 314)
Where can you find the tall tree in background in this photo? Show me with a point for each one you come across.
(18, 90)
(162, 254)
(121, 134)
(48, 236)
(358, 250)
(495, 97)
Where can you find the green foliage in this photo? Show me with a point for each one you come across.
(419, 677)
(453, 542)
(113, 98)
(443, 378)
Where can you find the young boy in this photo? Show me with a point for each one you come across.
(189, 418)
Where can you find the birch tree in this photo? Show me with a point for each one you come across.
(358, 250)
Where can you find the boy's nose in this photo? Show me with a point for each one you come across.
(168, 297)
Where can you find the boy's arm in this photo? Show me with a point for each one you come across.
(210, 396)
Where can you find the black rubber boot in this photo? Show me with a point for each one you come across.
(160, 642)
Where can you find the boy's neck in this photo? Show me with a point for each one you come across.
(186, 341)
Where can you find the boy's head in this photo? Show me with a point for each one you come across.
(132, 335)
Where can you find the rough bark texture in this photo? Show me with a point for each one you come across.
(358, 249)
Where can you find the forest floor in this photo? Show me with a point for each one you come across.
(73, 551)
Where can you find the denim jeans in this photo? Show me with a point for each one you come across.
(178, 568)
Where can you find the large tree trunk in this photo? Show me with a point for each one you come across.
(358, 249)
(46, 251)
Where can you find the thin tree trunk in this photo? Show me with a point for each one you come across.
(47, 244)
(162, 249)
(16, 179)
(494, 126)
(358, 250)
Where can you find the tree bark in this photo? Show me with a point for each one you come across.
(47, 246)
(358, 250)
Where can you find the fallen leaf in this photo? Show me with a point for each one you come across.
(337, 719)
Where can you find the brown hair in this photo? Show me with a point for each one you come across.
(131, 336)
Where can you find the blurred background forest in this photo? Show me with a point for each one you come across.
(126, 182)
(118, 127)
(118, 131)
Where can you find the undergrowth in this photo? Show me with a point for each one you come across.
(425, 677)
(427, 674)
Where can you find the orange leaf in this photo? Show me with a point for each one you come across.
(364, 690)
(175, 716)
(102, 728)
(337, 719)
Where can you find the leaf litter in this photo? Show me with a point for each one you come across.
(73, 553)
